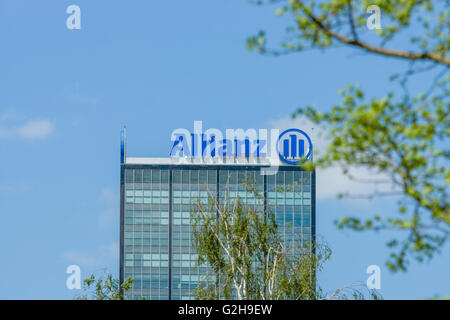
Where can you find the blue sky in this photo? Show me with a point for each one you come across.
(154, 66)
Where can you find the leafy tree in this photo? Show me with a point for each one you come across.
(247, 259)
(327, 24)
(404, 138)
(104, 288)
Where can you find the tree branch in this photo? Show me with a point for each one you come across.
(431, 56)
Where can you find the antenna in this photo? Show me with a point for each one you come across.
(123, 144)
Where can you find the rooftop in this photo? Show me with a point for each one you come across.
(254, 161)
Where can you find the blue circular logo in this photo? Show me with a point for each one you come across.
(296, 146)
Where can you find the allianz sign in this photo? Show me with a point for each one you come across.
(292, 146)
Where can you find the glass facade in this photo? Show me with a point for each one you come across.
(188, 186)
(146, 232)
(156, 230)
(289, 197)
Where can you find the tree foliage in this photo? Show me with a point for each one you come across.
(247, 259)
(403, 141)
(404, 138)
(326, 24)
(104, 288)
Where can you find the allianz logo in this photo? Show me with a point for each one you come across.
(291, 146)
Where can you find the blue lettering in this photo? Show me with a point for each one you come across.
(180, 147)
(226, 149)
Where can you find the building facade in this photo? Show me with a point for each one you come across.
(155, 228)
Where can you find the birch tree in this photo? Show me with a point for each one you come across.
(247, 259)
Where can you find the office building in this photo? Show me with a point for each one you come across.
(157, 195)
